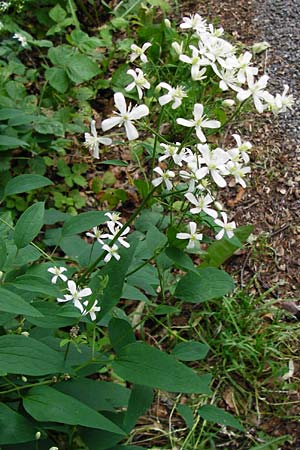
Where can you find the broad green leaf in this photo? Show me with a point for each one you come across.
(29, 224)
(140, 400)
(54, 315)
(132, 293)
(120, 333)
(217, 415)
(81, 68)
(44, 403)
(34, 283)
(25, 183)
(46, 125)
(99, 395)
(83, 222)
(13, 303)
(187, 413)
(58, 14)
(27, 356)
(219, 251)
(58, 79)
(15, 429)
(205, 285)
(11, 142)
(141, 364)
(190, 351)
(2, 254)
(180, 258)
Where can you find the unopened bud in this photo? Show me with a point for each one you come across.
(177, 47)
(53, 448)
(168, 23)
(260, 47)
(25, 333)
(38, 435)
(1, 275)
(219, 206)
(228, 103)
(24, 379)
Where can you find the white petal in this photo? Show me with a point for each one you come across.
(185, 123)
(120, 102)
(85, 292)
(211, 124)
(131, 131)
(72, 286)
(138, 112)
(183, 235)
(107, 124)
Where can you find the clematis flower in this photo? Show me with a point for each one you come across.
(238, 172)
(139, 81)
(257, 90)
(196, 61)
(174, 95)
(214, 163)
(125, 117)
(199, 122)
(96, 235)
(164, 177)
(201, 203)
(114, 231)
(226, 227)
(243, 148)
(92, 310)
(111, 252)
(194, 22)
(193, 236)
(22, 39)
(114, 217)
(172, 151)
(139, 52)
(58, 273)
(75, 295)
(92, 140)
(281, 102)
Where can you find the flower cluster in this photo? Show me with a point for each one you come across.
(75, 294)
(115, 234)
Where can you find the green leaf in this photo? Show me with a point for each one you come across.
(46, 125)
(29, 224)
(58, 14)
(120, 333)
(44, 403)
(205, 285)
(99, 395)
(13, 303)
(187, 413)
(180, 258)
(11, 142)
(114, 162)
(54, 315)
(83, 222)
(140, 400)
(15, 429)
(219, 251)
(217, 415)
(27, 356)
(34, 283)
(190, 351)
(2, 254)
(141, 364)
(81, 68)
(25, 183)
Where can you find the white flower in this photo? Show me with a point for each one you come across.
(92, 140)
(164, 177)
(172, 151)
(177, 47)
(199, 122)
(114, 231)
(174, 95)
(243, 148)
(257, 90)
(22, 39)
(58, 273)
(139, 52)
(217, 50)
(75, 295)
(196, 61)
(96, 235)
(225, 227)
(193, 236)
(114, 217)
(125, 117)
(139, 81)
(214, 161)
(92, 310)
(244, 68)
(195, 22)
(202, 204)
(111, 252)
(238, 171)
(280, 102)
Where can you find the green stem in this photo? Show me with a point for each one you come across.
(19, 388)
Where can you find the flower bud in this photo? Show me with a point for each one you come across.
(228, 103)
(38, 435)
(24, 379)
(25, 333)
(168, 23)
(177, 47)
(260, 47)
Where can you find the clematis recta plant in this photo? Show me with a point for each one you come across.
(77, 369)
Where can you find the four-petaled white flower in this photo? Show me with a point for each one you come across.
(174, 95)
(114, 231)
(139, 52)
(199, 122)
(58, 273)
(195, 22)
(92, 310)
(92, 140)
(114, 217)
(196, 61)
(96, 235)
(125, 117)
(257, 90)
(164, 177)
(226, 227)
(193, 236)
(174, 152)
(75, 295)
(111, 252)
(139, 81)
(201, 204)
